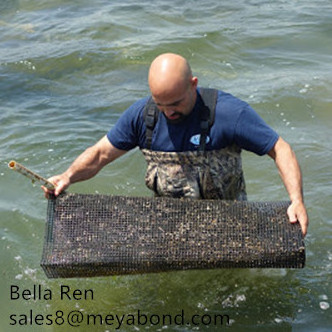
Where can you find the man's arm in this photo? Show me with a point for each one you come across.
(290, 174)
(87, 165)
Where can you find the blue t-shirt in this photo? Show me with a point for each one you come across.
(235, 122)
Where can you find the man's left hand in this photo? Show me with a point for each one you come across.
(297, 213)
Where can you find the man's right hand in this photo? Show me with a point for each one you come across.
(61, 182)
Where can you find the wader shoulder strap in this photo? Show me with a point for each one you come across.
(151, 114)
(209, 99)
(208, 110)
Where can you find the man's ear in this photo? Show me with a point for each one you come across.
(194, 82)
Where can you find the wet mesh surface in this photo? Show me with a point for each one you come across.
(98, 235)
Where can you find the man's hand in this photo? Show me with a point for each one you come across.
(297, 213)
(61, 182)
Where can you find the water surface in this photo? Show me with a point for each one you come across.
(67, 72)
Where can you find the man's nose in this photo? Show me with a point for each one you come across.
(168, 110)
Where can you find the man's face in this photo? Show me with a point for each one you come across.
(178, 104)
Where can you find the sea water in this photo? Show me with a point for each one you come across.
(68, 69)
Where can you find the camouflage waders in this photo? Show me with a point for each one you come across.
(210, 174)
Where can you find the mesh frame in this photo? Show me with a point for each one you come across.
(100, 235)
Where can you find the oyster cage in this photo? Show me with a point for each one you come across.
(99, 235)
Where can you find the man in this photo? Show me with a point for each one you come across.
(192, 150)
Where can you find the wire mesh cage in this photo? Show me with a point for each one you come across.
(99, 235)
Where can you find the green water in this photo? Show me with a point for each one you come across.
(67, 71)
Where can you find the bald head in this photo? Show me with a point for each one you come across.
(169, 72)
(171, 80)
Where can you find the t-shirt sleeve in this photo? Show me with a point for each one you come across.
(253, 134)
(128, 131)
